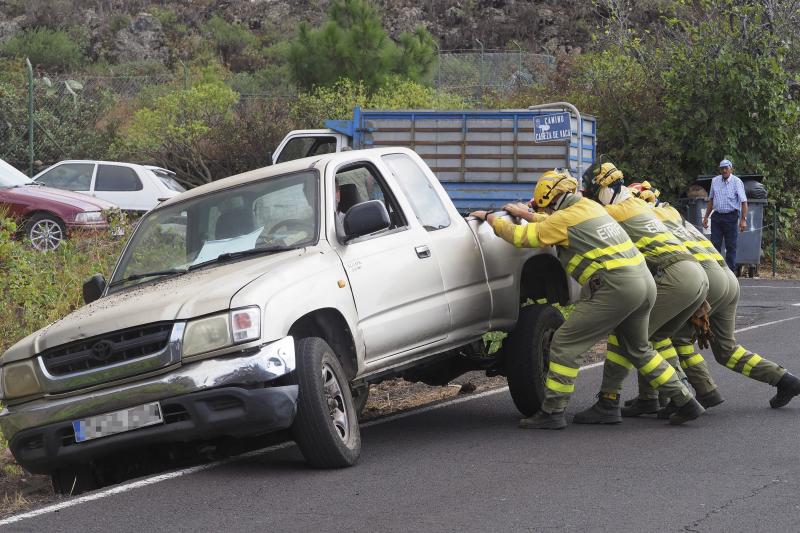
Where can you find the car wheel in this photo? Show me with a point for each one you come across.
(46, 232)
(326, 425)
(71, 481)
(528, 355)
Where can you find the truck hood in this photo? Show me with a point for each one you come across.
(197, 293)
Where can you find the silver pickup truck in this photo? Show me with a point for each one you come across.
(271, 300)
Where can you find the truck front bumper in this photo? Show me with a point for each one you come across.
(225, 396)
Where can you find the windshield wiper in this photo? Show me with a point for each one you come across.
(244, 253)
(149, 275)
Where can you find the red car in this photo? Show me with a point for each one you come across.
(47, 216)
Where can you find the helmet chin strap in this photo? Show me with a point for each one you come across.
(560, 200)
(617, 191)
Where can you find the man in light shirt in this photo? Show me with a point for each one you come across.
(729, 204)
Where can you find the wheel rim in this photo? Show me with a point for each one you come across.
(336, 404)
(46, 235)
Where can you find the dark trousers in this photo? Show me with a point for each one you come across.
(725, 226)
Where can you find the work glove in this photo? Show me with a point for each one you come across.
(702, 327)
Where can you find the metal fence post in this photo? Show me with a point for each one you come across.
(519, 58)
(774, 237)
(185, 75)
(438, 66)
(29, 68)
(480, 93)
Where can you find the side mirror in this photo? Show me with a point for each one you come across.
(269, 158)
(365, 218)
(93, 288)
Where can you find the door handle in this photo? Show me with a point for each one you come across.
(423, 252)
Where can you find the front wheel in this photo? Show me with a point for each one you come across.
(528, 355)
(326, 425)
(46, 232)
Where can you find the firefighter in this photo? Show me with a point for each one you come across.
(618, 292)
(680, 281)
(723, 297)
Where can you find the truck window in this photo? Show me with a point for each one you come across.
(360, 183)
(426, 204)
(300, 147)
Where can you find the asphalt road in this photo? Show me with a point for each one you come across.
(467, 467)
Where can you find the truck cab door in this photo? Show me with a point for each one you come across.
(395, 279)
(297, 145)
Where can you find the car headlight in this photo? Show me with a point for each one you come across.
(18, 380)
(218, 331)
(90, 216)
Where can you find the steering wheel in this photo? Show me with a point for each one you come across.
(283, 233)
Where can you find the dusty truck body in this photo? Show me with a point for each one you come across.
(255, 303)
(483, 159)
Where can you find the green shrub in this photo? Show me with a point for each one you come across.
(229, 39)
(120, 21)
(47, 49)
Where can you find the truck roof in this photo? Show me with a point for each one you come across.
(319, 161)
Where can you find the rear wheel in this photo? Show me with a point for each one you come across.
(528, 355)
(326, 426)
(46, 232)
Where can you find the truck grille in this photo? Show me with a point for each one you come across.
(108, 349)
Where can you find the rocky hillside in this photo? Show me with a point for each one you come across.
(127, 30)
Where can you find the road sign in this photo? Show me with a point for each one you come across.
(549, 128)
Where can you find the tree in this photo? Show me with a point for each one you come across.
(181, 130)
(353, 44)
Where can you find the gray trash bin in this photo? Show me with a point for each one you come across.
(748, 250)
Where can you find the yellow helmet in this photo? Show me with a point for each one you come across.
(606, 174)
(551, 184)
(645, 191)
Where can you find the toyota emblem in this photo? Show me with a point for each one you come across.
(101, 350)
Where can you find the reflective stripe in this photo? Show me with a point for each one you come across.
(696, 359)
(617, 358)
(558, 387)
(663, 378)
(754, 360)
(662, 343)
(610, 265)
(669, 353)
(533, 237)
(652, 365)
(608, 250)
(563, 370)
(707, 257)
(612, 339)
(661, 237)
(685, 349)
(574, 262)
(665, 249)
(737, 354)
(519, 232)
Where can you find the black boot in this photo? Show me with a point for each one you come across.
(688, 411)
(710, 399)
(604, 411)
(665, 412)
(542, 420)
(638, 406)
(788, 388)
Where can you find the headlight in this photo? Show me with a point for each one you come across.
(218, 331)
(90, 216)
(19, 380)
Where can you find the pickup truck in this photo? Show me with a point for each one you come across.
(271, 300)
(483, 159)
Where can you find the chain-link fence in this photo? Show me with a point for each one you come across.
(44, 120)
(471, 73)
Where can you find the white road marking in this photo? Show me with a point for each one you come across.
(766, 324)
(796, 305)
(119, 489)
(769, 287)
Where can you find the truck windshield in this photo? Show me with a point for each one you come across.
(269, 215)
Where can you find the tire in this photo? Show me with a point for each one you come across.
(72, 481)
(45, 231)
(326, 425)
(752, 271)
(528, 355)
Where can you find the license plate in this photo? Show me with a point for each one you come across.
(107, 424)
